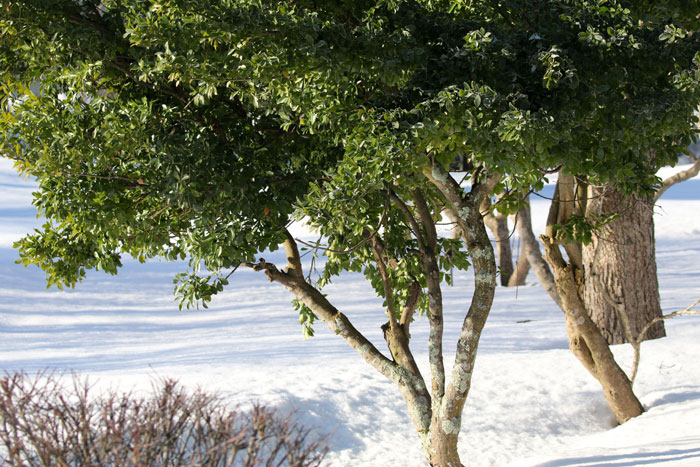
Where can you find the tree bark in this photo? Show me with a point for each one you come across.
(620, 284)
(447, 419)
(586, 341)
(436, 417)
(411, 385)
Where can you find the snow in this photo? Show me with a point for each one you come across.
(531, 402)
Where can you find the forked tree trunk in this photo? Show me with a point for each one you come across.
(436, 414)
(620, 282)
(447, 410)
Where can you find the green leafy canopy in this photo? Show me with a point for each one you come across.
(200, 129)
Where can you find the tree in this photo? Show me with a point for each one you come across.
(531, 251)
(199, 130)
(620, 288)
(585, 338)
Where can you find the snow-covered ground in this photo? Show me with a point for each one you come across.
(531, 402)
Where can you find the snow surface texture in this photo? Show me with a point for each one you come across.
(531, 402)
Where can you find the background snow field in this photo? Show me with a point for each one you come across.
(531, 402)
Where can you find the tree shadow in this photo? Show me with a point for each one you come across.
(676, 397)
(624, 460)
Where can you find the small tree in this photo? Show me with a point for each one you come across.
(192, 129)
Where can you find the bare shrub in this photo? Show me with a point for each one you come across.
(43, 423)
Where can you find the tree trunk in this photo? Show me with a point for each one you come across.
(498, 225)
(620, 283)
(531, 249)
(522, 267)
(586, 341)
(441, 449)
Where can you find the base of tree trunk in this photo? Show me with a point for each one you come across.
(442, 448)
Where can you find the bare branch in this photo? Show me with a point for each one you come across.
(336, 321)
(638, 341)
(498, 224)
(681, 176)
(378, 253)
(410, 218)
(425, 219)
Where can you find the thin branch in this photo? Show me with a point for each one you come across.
(396, 339)
(426, 219)
(410, 218)
(431, 271)
(465, 207)
(337, 322)
(414, 294)
(638, 341)
(534, 256)
(378, 253)
(681, 176)
(686, 311)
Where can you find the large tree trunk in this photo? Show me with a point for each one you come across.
(620, 283)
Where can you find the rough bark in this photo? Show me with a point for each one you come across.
(620, 284)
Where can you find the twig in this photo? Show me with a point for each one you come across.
(638, 341)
